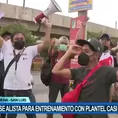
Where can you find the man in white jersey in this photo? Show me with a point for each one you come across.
(18, 79)
(106, 57)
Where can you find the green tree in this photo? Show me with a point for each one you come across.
(93, 34)
(18, 27)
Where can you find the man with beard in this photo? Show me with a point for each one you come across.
(18, 80)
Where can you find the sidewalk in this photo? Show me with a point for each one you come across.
(41, 95)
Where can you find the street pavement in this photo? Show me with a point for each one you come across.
(41, 93)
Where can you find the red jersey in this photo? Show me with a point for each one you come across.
(57, 78)
(106, 59)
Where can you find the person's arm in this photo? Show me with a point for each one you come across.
(50, 50)
(80, 34)
(1, 41)
(112, 77)
(46, 40)
(59, 67)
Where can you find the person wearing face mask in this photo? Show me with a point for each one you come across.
(18, 80)
(58, 83)
(106, 57)
(6, 36)
(97, 88)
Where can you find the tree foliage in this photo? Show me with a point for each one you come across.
(93, 34)
(18, 27)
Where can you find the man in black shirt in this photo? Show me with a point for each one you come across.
(98, 85)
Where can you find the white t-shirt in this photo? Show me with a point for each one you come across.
(9, 41)
(22, 79)
(107, 59)
(1, 56)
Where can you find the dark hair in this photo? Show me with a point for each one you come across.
(91, 47)
(12, 36)
(106, 36)
(3, 35)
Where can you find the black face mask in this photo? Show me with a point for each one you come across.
(105, 48)
(83, 59)
(19, 44)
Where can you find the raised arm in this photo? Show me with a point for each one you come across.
(80, 34)
(59, 69)
(1, 41)
(51, 47)
(46, 40)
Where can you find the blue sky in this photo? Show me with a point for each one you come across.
(104, 11)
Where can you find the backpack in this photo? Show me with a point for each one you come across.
(46, 70)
